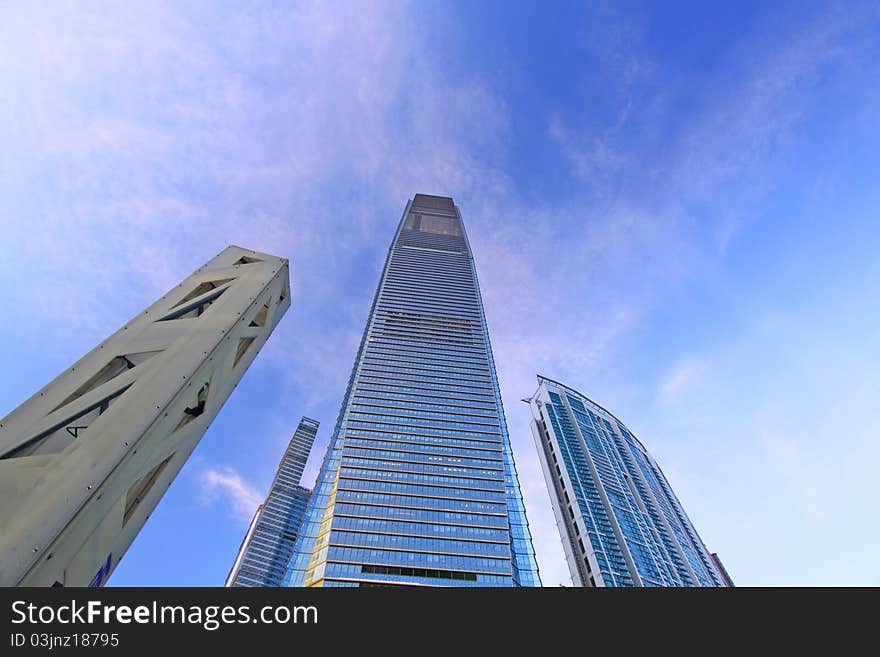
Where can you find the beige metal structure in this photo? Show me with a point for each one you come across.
(85, 460)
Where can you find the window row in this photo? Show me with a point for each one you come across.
(421, 515)
(423, 479)
(457, 460)
(423, 530)
(413, 544)
(482, 456)
(423, 490)
(392, 503)
(370, 432)
(439, 469)
(420, 428)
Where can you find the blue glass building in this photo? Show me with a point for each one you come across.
(418, 486)
(620, 522)
(268, 545)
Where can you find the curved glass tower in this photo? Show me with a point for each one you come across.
(621, 524)
(418, 486)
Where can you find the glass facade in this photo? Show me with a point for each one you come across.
(621, 523)
(418, 485)
(266, 550)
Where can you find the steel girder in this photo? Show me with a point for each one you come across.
(85, 460)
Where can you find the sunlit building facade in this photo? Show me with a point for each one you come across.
(621, 523)
(418, 485)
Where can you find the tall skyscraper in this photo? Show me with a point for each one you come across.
(418, 486)
(621, 524)
(266, 549)
(84, 461)
(721, 569)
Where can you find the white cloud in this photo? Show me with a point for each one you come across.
(227, 485)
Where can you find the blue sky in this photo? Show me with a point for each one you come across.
(673, 208)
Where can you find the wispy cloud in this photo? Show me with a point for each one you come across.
(588, 161)
(681, 380)
(227, 485)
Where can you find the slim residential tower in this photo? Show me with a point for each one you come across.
(85, 460)
(621, 524)
(265, 551)
(418, 486)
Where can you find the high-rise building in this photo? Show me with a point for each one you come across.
(620, 522)
(266, 549)
(84, 461)
(418, 485)
(721, 569)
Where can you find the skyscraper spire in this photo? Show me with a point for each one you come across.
(266, 549)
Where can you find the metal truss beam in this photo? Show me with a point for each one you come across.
(85, 460)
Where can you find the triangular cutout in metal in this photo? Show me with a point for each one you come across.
(259, 319)
(243, 345)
